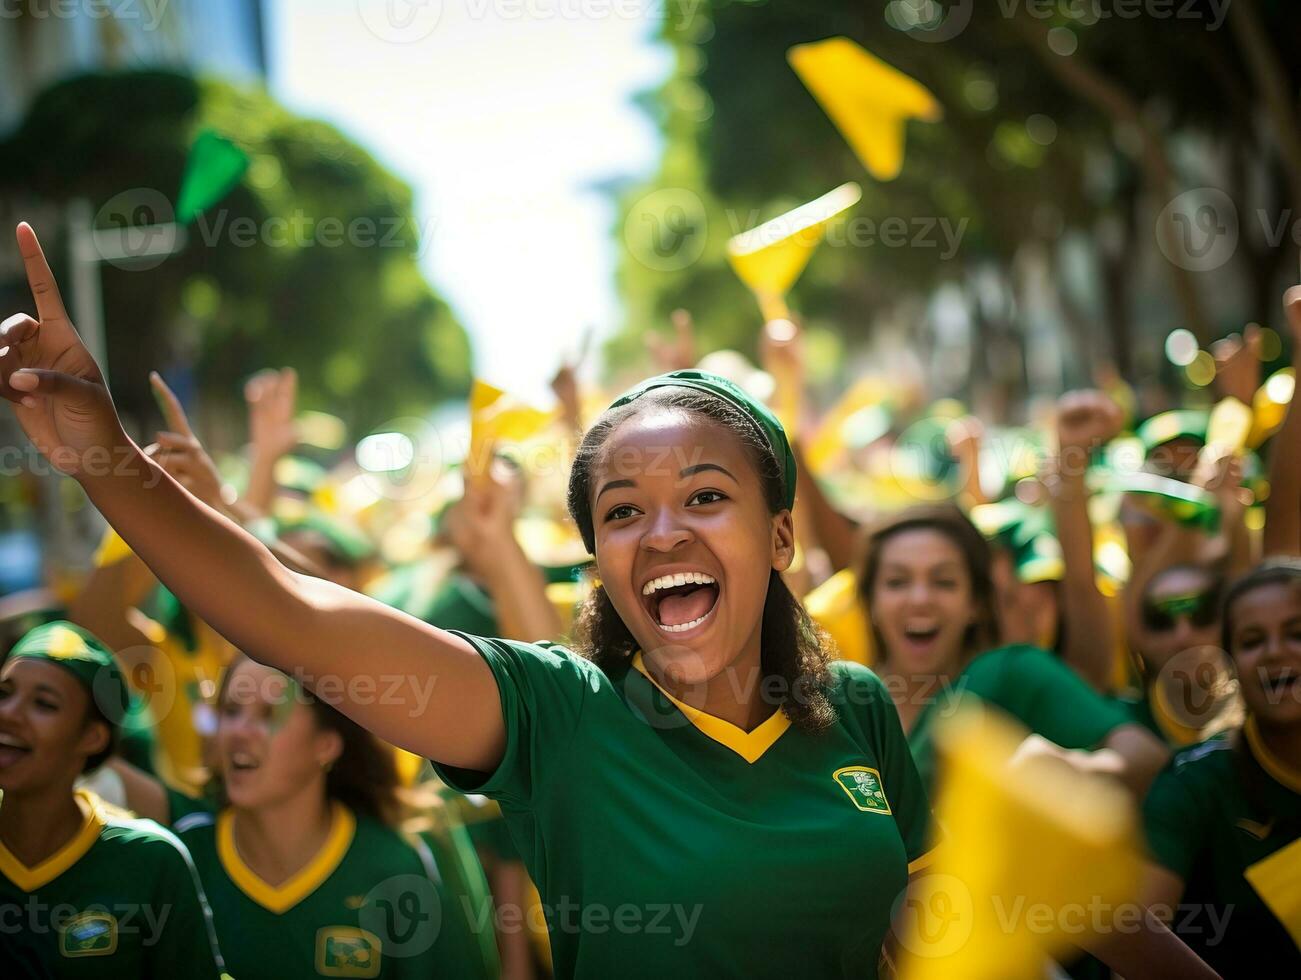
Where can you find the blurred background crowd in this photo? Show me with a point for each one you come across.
(1051, 302)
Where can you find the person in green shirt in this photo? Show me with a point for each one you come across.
(344, 892)
(1223, 820)
(85, 890)
(925, 580)
(696, 484)
(708, 807)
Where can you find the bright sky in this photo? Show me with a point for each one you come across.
(502, 114)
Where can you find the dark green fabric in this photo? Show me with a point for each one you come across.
(1211, 814)
(759, 413)
(1031, 685)
(624, 811)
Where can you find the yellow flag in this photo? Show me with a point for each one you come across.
(498, 417)
(1270, 405)
(1034, 857)
(869, 101)
(834, 606)
(769, 258)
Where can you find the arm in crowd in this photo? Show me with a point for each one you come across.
(1085, 420)
(1283, 508)
(226, 576)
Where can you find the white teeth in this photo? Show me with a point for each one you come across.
(242, 760)
(679, 578)
(683, 627)
(13, 742)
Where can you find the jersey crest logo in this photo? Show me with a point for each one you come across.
(346, 951)
(863, 785)
(354, 902)
(89, 934)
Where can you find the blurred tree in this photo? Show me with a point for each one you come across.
(311, 261)
(1069, 128)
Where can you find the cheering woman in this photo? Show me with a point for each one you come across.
(701, 794)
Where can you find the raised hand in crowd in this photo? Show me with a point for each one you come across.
(271, 397)
(1086, 420)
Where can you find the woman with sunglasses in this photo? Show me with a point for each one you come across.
(1223, 821)
(703, 793)
(1175, 636)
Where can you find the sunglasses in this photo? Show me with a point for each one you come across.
(1201, 609)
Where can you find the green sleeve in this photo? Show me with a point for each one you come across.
(1045, 695)
(1174, 822)
(903, 785)
(542, 689)
(182, 805)
(182, 933)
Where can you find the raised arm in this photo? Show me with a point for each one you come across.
(1283, 508)
(440, 699)
(1085, 420)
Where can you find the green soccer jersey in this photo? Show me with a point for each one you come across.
(665, 841)
(371, 903)
(1225, 816)
(121, 899)
(1031, 685)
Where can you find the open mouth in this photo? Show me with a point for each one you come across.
(243, 762)
(12, 750)
(921, 634)
(681, 601)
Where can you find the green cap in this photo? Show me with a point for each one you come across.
(756, 411)
(1182, 423)
(86, 658)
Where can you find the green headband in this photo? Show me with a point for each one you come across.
(86, 658)
(756, 411)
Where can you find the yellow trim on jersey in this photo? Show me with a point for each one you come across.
(923, 862)
(750, 746)
(29, 879)
(280, 898)
(1272, 764)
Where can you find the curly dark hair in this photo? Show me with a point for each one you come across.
(984, 632)
(792, 647)
(364, 777)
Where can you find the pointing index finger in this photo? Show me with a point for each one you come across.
(170, 405)
(49, 305)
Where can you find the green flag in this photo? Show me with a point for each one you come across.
(215, 165)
